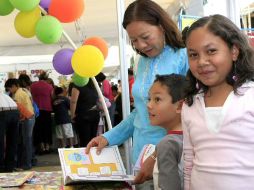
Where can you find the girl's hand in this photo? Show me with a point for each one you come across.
(99, 141)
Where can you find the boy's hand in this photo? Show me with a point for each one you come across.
(99, 141)
(146, 171)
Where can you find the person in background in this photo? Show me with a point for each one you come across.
(119, 83)
(218, 116)
(61, 106)
(9, 129)
(131, 81)
(22, 97)
(42, 93)
(25, 82)
(164, 106)
(154, 36)
(51, 82)
(84, 112)
(118, 102)
(107, 92)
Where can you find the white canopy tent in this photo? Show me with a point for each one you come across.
(98, 20)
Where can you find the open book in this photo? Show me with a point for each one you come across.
(77, 166)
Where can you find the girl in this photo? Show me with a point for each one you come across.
(218, 117)
(164, 107)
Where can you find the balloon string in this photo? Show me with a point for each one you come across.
(105, 109)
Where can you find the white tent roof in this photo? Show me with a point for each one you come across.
(98, 19)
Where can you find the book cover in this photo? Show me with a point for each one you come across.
(77, 166)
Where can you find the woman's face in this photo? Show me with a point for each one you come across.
(147, 38)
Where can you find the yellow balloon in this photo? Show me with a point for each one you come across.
(25, 22)
(87, 61)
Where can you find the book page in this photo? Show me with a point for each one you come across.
(79, 166)
(107, 156)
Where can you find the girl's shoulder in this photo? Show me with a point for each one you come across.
(246, 88)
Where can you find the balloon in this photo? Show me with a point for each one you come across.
(48, 30)
(25, 22)
(45, 4)
(79, 81)
(25, 5)
(62, 61)
(5, 7)
(66, 10)
(99, 43)
(87, 61)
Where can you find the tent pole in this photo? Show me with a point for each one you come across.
(234, 11)
(124, 78)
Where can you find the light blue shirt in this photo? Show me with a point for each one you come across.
(137, 125)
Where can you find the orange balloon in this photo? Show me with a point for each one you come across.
(66, 10)
(99, 43)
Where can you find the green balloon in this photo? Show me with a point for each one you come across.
(48, 30)
(26, 5)
(79, 81)
(5, 7)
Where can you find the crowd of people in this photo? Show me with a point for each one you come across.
(191, 97)
(47, 114)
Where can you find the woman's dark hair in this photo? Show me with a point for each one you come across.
(24, 80)
(150, 12)
(242, 68)
(175, 83)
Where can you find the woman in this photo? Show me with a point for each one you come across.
(42, 93)
(156, 38)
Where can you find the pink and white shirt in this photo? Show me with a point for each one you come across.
(221, 159)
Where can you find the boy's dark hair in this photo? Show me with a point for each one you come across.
(151, 13)
(242, 68)
(58, 90)
(11, 82)
(175, 83)
(24, 80)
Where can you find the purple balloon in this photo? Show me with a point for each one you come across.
(45, 4)
(62, 61)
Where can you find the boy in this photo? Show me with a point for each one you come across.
(61, 106)
(164, 107)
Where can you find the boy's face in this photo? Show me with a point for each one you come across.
(162, 111)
